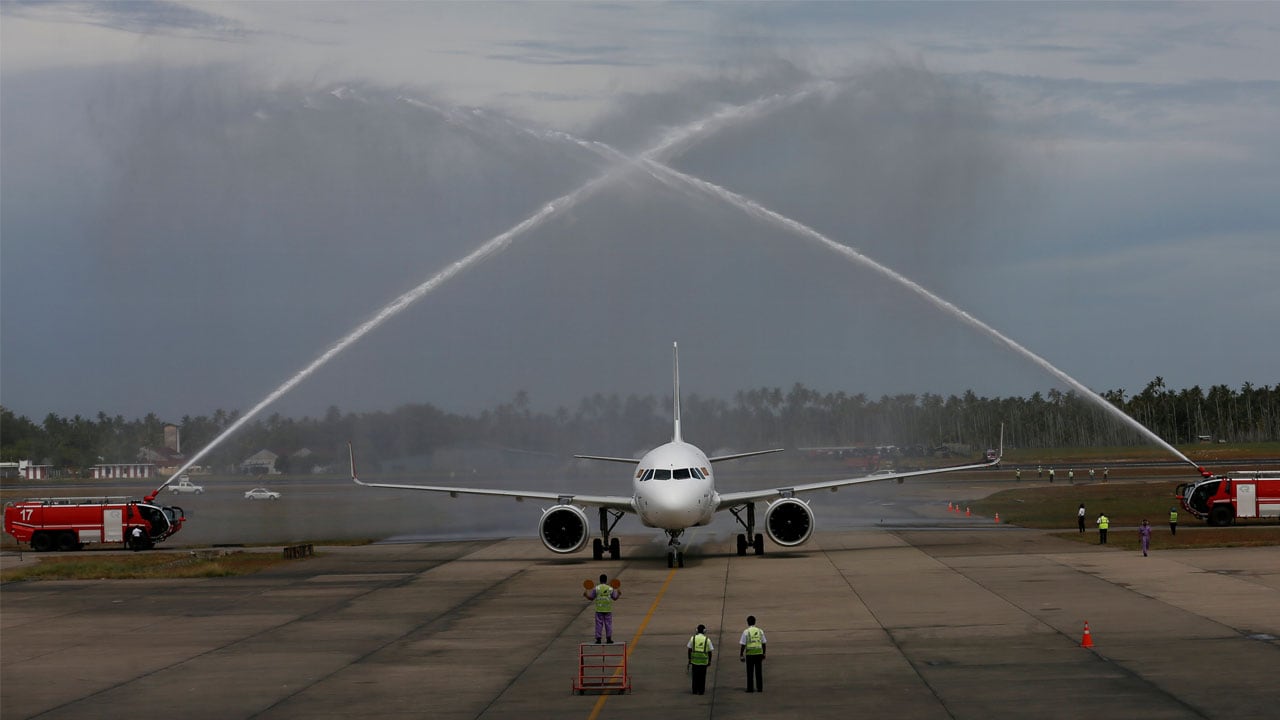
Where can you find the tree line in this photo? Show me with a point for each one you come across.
(764, 417)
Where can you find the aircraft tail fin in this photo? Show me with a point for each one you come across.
(675, 352)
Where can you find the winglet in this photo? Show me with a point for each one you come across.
(352, 456)
(675, 352)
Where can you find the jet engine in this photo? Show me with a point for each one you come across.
(789, 522)
(564, 529)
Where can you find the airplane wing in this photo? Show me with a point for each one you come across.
(753, 453)
(728, 500)
(613, 502)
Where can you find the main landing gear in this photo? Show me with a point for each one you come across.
(756, 541)
(604, 542)
(675, 555)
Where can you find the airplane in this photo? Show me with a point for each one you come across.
(674, 489)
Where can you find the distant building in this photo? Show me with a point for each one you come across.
(262, 462)
(166, 460)
(173, 438)
(105, 471)
(29, 471)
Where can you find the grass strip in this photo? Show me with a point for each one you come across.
(140, 566)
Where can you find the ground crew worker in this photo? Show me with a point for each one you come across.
(700, 650)
(751, 650)
(1038, 469)
(136, 539)
(1144, 535)
(1173, 521)
(1091, 475)
(1106, 472)
(1071, 476)
(1050, 474)
(1017, 474)
(1103, 524)
(1080, 518)
(603, 595)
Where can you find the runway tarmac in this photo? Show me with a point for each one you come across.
(951, 619)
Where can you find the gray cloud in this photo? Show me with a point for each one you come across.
(135, 17)
(210, 234)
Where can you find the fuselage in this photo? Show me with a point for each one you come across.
(674, 487)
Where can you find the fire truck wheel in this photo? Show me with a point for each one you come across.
(67, 541)
(1221, 515)
(41, 542)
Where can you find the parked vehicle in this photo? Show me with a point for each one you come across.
(184, 485)
(261, 494)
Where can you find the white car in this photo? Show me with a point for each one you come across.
(261, 494)
(184, 485)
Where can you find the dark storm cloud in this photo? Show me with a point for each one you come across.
(240, 229)
(542, 53)
(135, 17)
(209, 235)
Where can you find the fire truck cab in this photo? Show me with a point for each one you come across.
(1225, 498)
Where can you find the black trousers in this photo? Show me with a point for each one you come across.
(1102, 537)
(755, 673)
(699, 675)
(1173, 528)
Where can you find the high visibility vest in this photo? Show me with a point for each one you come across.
(755, 641)
(1173, 516)
(1103, 522)
(699, 654)
(604, 598)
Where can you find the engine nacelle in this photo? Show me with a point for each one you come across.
(564, 529)
(789, 522)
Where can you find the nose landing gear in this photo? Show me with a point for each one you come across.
(675, 555)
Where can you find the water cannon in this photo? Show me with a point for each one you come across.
(1204, 473)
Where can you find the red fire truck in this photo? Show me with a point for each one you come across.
(1224, 498)
(69, 523)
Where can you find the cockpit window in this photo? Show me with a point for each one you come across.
(681, 474)
(661, 474)
(648, 475)
(696, 473)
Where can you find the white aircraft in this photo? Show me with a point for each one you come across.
(674, 489)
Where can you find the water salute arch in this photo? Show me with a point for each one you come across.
(653, 163)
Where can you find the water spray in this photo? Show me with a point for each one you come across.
(756, 210)
(674, 139)
(672, 177)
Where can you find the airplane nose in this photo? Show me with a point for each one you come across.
(674, 506)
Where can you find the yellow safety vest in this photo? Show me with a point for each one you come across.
(1173, 516)
(1103, 522)
(604, 598)
(755, 641)
(699, 654)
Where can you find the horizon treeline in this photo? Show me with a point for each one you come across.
(612, 424)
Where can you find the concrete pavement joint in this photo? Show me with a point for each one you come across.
(889, 635)
(1124, 669)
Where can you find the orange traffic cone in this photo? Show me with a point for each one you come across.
(997, 518)
(966, 511)
(1087, 640)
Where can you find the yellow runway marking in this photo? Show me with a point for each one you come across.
(631, 647)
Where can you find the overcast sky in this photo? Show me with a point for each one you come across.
(198, 199)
